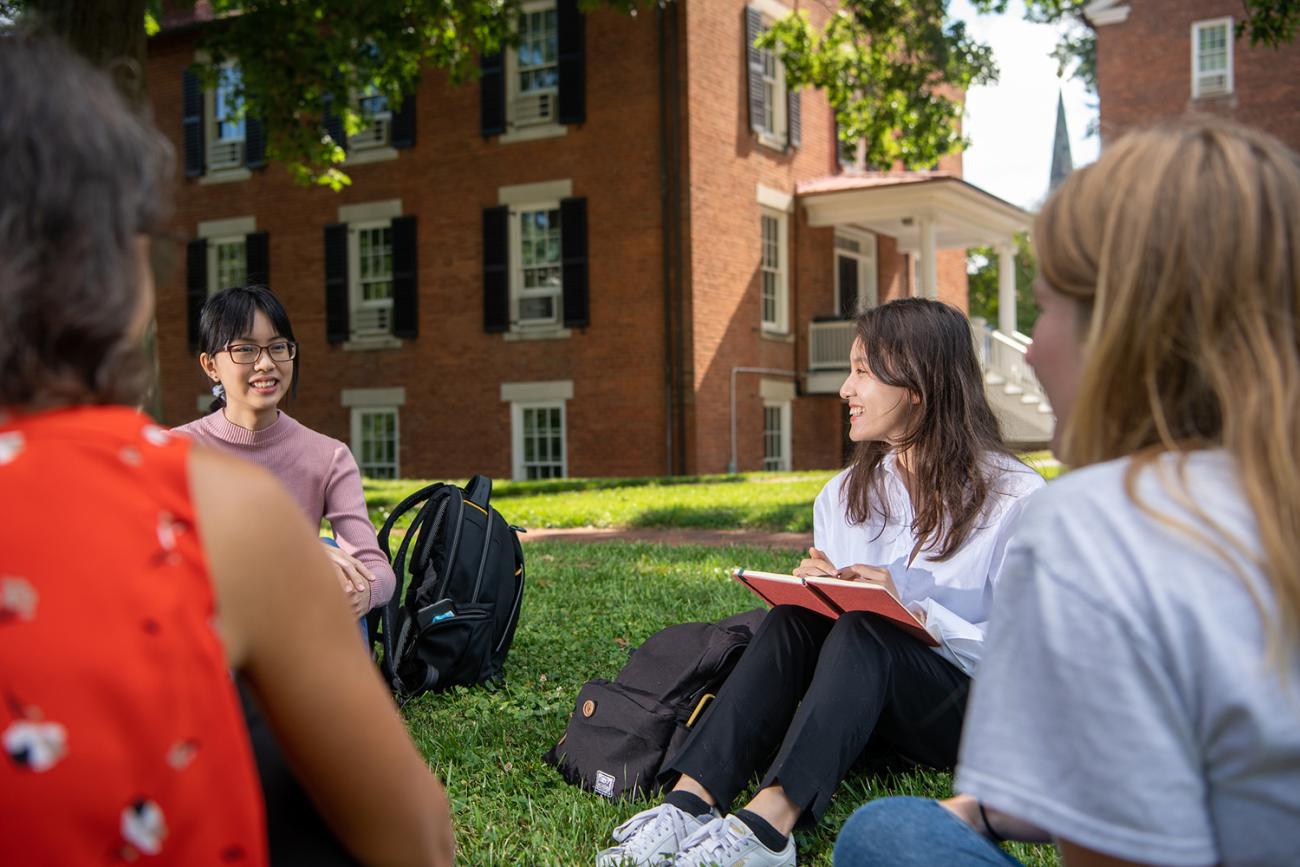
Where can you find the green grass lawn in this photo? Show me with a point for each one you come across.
(584, 607)
(752, 501)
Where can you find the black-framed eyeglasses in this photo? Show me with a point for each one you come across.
(249, 353)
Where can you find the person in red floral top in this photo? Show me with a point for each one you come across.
(137, 570)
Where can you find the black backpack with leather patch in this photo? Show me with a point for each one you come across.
(621, 731)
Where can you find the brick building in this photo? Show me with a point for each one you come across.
(1161, 58)
(626, 250)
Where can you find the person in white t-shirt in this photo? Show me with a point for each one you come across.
(925, 509)
(1139, 701)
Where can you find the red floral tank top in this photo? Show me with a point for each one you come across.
(123, 739)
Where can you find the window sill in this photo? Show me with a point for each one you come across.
(369, 344)
(226, 176)
(518, 334)
(776, 336)
(768, 140)
(533, 133)
(370, 155)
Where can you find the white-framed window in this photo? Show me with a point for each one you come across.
(856, 287)
(774, 95)
(370, 283)
(532, 67)
(536, 273)
(376, 442)
(227, 264)
(540, 450)
(225, 120)
(773, 294)
(776, 435)
(1212, 57)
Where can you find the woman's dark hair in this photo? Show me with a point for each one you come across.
(926, 348)
(228, 315)
(84, 178)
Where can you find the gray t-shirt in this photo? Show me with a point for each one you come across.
(1126, 701)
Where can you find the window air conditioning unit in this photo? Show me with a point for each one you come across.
(372, 321)
(373, 135)
(225, 154)
(534, 107)
(1213, 85)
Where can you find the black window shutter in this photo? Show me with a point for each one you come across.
(254, 143)
(257, 258)
(192, 123)
(336, 282)
(794, 131)
(196, 287)
(496, 269)
(573, 250)
(401, 129)
(492, 94)
(754, 63)
(406, 287)
(571, 32)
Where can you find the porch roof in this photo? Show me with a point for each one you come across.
(894, 203)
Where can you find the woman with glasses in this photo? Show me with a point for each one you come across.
(249, 353)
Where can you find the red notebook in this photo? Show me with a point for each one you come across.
(833, 597)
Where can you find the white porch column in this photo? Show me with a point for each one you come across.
(1006, 288)
(928, 284)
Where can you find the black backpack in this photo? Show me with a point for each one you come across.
(458, 616)
(622, 730)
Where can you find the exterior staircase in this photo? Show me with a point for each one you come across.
(1012, 388)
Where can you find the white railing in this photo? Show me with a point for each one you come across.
(375, 134)
(534, 107)
(1003, 359)
(372, 321)
(829, 344)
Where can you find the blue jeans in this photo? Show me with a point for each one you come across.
(365, 632)
(913, 832)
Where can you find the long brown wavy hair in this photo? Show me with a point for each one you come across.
(1182, 246)
(926, 348)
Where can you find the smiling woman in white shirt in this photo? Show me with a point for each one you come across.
(925, 509)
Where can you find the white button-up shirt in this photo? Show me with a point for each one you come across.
(956, 595)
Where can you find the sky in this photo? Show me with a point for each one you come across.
(1011, 123)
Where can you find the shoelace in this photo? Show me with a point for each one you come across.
(638, 830)
(711, 844)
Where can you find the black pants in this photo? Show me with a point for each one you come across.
(816, 692)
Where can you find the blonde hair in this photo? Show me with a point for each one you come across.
(1182, 243)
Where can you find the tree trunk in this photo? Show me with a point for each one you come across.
(108, 33)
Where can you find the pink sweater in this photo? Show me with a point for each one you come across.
(318, 471)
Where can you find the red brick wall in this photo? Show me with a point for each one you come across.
(454, 422)
(727, 163)
(1144, 71)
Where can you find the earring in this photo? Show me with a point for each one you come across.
(219, 391)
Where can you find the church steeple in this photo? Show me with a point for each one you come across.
(1062, 162)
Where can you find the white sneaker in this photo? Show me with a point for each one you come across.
(730, 843)
(652, 837)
